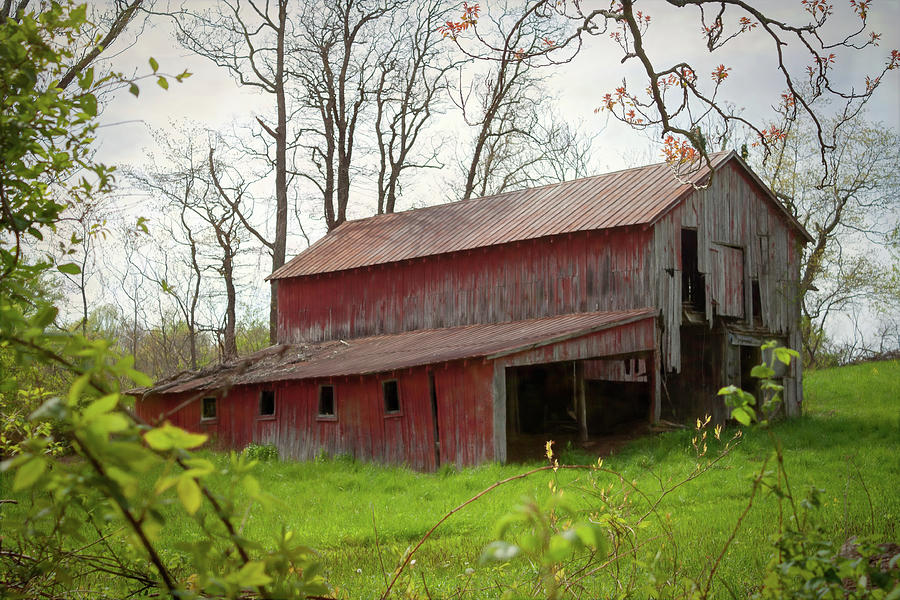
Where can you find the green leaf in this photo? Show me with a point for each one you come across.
(154, 65)
(785, 354)
(28, 473)
(762, 372)
(134, 89)
(189, 494)
(161, 82)
(251, 574)
(69, 268)
(100, 407)
(86, 79)
(78, 388)
(199, 467)
(591, 535)
(45, 316)
(251, 485)
(742, 415)
(89, 104)
(110, 423)
(168, 436)
(560, 548)
(141, 379)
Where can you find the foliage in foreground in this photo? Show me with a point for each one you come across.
(91, 516)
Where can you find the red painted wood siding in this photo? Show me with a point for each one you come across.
(586, 271)
(361, 427)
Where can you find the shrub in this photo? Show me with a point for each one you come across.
(260, 452)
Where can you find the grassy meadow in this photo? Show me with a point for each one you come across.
(363, 517)
(847, 444)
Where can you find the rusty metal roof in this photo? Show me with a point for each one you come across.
(383, 353)
(630, 197)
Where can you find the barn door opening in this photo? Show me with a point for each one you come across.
(619, 395)
(540, 406)
(594, 404)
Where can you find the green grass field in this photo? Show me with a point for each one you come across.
(847, 443)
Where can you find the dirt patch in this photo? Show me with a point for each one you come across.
(530, 448)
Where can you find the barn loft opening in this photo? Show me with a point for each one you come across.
(591, 404)
(756, 301)
(693, 288)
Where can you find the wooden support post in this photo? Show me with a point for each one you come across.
(499, 412)
(581, 401)
(655, 386)
(513, 422)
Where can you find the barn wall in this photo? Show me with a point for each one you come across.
(742, 237)
(581, 272)
(733, 214)
(361, 428)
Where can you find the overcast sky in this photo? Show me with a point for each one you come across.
(210, 98)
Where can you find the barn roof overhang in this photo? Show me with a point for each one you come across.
(393, 352)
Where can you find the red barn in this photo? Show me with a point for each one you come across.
(456, 333)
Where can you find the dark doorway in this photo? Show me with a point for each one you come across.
(543, 404)
(434, 418)
(545, 399)
(693, 288)
(750, 357)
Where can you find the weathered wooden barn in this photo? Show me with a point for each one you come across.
(452, 333)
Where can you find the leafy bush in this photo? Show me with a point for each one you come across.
(260, 452)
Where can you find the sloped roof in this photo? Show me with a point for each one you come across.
(383, 353)
(636, 196)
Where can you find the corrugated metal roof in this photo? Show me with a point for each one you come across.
(382, 353)
(630, 197)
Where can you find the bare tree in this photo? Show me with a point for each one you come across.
(851, 212)
(500, 91)
(337, 51)
(411, 88)
(77, 238)
(248, 40)
(528, 145)
(223, 218)
(675, 99)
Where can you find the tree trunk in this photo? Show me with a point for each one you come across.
(281, 201)
(229, 349)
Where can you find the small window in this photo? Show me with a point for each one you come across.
(326, 400)
(208, 409)
(267, 403)
(391, 396)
